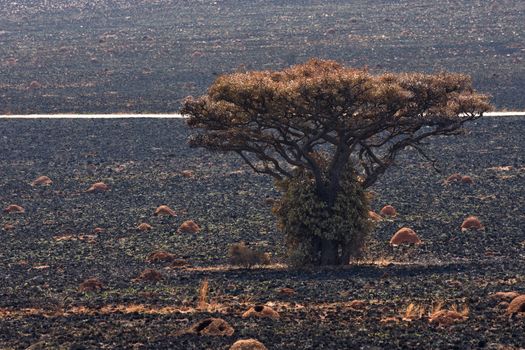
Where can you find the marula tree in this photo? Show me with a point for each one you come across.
(326, 133)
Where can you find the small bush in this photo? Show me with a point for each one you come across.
(241, 255)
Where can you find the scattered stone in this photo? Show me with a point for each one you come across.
(98, 187)
(160, 256)
(388, 210)
(261, 311)
(14, 209)
(471, 223)
(405, 235)
(248, 344)
(91, 285)
(42, 181)
(144, 227)
(164, 210)
(149, 275)
(374, 216)
(212, 327)
(517, 305)
(189, 226)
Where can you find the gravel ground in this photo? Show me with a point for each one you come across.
(46, 252)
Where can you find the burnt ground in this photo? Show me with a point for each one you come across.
(52, 247)
(111, 56)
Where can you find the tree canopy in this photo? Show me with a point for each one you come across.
(276, 120)
(318, 127)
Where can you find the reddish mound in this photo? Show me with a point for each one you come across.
(160, 256)
(34, 85)
(248, 344)
(212, 327)
(454, 177)
(517, 305)
(91, 285)
(14, 209)
(98, 187)
(467, 180)
(262, 311)
(9, 227)
(98, 230)
(164, 210)
(189, 226)
(144, 227)
(388, 210)
(471, 223)
(187, 173)
(149, 275)
(405, 235)
(507, 296)
(287, 291)
(42, 181)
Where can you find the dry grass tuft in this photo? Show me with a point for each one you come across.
(374, 216)
(241, 255)
(413, 312)
(248, 344)
(405, 235)
(203, 295)
(160, 256)
(443, 317)
(149, 275)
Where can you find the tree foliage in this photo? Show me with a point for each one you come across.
(280, 121)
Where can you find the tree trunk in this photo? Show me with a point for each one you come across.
(329, 252)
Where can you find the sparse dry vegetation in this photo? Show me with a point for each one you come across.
(242, 255)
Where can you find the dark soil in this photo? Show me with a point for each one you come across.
(146, 55)
(52, 248)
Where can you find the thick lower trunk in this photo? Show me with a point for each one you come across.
(329, 252)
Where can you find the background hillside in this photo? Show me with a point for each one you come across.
(146, 55)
